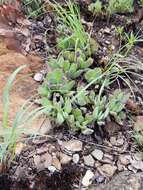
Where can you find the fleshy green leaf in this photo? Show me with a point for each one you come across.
(68, 106)
(68, 86)
(44, 91)
(78, 115)
(60, 119)
(55, 77)
(93, 74)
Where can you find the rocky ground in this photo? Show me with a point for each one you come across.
(58, 158)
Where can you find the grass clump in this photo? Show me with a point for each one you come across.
(9, 135)
(120, 6)
(33, 8)
(75, 37)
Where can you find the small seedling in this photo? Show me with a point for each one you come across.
(131, 41)
(71, 19)
(95, 8)
(120, 6)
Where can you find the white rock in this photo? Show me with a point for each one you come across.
(52, 169)
(38, 77)
(89, 161)
(75, 158)
(97, 154)
(73, 145)
(87, 179)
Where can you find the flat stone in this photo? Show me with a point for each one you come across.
(87, 179)
(73, 145)
(89, 161)
(46, 159)
(97, 154)
(108, 169)
(65, 159)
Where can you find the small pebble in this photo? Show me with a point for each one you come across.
(52, 169)
(73, 145)
(100, 179)
(87, 179)
(75, 158)
(97, 154)
(38, 77)
(108, 169)
(89, 161)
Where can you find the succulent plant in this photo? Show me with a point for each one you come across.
(71, 102)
